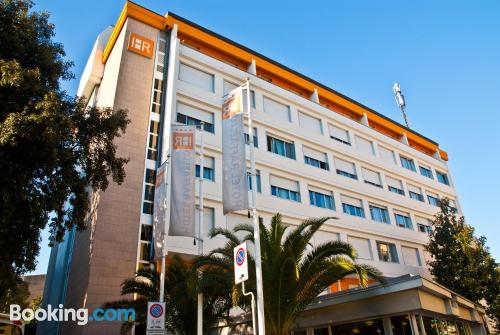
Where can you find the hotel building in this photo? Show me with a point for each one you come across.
(318, 153)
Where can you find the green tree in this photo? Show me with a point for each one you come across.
(294, 273)
(17, 294)
(462, 262)
(181, 292)
(53, 148)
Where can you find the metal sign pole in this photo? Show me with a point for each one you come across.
(253, 305)
(256, 233)
(200, 225)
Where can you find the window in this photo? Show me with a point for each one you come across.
(371, 177)
(281, 147)
(433, 199)
(442, 178)
(144, 253)
(408, 163)
(345, 168)
(149, 191)
(255, 137)
(160, 56)
(339, 134)
(426, 171)
(321, 331)
(156, 103)
(146, 232)
(321, 198)
(423, 225)
(415, 192)
(362, 246)
(387, 252)
(453, 206)
(403, 220)
(387, 155)
(277, 109)
(195, 77)
(367, 327)
(208, 169)
(315, 158)
(411, 256)
(364, 146)
(228, 87)
(208, 220)
(192, 116)
(153, 140)
(284, 188)
(379, 213)
(401, 324)
(395, 185)
(257, 178)
(352, 206)
(310, 123)
(423, 228)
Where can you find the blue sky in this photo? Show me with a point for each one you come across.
(445, 54)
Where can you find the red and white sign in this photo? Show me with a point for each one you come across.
(156, 318)
(240, 263)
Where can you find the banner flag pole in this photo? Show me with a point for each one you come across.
(256, 232)
(199, 238)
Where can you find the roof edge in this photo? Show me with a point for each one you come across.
(198, 33)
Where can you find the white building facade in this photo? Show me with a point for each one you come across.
(318, 153)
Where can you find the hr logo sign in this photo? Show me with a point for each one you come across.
(141, 45)
(183, 140)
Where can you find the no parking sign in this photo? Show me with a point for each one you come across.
(156, 318)
(240, 263)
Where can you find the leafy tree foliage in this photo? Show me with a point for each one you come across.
(53, 149)
(181, 292)
(462, 262)
(293, 273)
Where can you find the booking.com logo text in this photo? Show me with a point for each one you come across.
(81, 315)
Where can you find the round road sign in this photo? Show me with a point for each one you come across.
(240, 256)
(156, 310)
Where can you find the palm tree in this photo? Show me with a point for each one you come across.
(294, 273)
(181, 289)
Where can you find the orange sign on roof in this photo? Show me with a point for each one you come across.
(141, 45)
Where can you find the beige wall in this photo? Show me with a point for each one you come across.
(107, 252)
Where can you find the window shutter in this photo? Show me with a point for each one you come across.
(351, 201)
(387, 155)
(415, 189)
(364, 145)
(284, 183)
(277, 109)
(228, 87)
(208, 162)
(321, 156)
(319, 190)
(362, 246)
(310, 123)
(410, 256)
(195, 113)
(339, 133)
(345, 166)
(371, 176)
(196, 77)
(394, 182)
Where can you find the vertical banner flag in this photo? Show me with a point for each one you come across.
(234, 170)
(159, 210)
(182, 205)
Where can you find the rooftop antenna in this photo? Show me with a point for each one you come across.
(400, 100)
